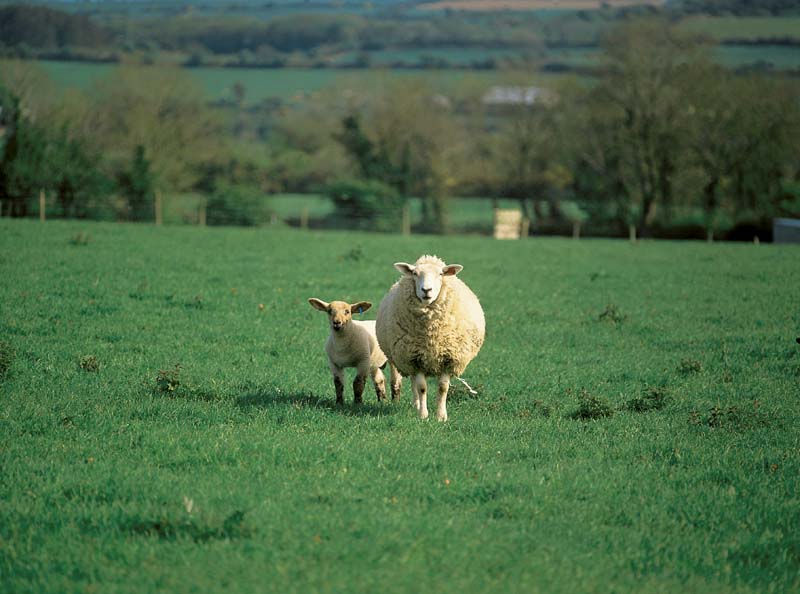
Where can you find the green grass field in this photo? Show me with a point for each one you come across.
(283, 83)
(635, 428)
(738, 28)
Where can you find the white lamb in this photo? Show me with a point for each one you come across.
(352, 343)
(430, 324)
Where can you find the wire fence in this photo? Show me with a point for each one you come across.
(501, 218)
(308, 211)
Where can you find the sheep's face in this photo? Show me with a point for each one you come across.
(427, 277)
(340, 313)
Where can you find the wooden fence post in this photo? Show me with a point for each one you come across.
(576, 230)
(632, 233)
(157, 206)
(201, 215)
(406, 225)
(42, 206)
(304, 218)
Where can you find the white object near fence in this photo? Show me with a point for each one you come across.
(786, 230)
(507, 223)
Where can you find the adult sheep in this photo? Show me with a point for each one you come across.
(430, 324)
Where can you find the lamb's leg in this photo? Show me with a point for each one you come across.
(359, 383)
(380, 383)
(397, 382)
(338, 383)
(422, 389)
(441, 401)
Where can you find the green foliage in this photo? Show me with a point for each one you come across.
(49, 28)
(366, 204)
(248, 474)
(137, 186)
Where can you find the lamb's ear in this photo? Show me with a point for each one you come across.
(404, 268)
(452, 269)
(360, 307)
(319, 304)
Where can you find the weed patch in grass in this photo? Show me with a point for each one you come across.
(732, 418)
(7, 356)
(612, 314)
(168, 380)
(689, 366)
(654, 398)
(231, 528)
(80, 238)
(89, 363)
(591, 407)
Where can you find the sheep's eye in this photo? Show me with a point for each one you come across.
(347, 312)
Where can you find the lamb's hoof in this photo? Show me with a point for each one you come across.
(441, 417)
(423, 414)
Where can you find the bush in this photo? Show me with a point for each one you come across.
(242, 205)
(366, 204)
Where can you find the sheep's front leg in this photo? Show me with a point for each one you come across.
(359, 383)
(397, 383)
(338, 383)
(421, 395)
(441, 400)
(380, 384)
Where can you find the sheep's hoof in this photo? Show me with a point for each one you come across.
(423, 414)
(441, 417)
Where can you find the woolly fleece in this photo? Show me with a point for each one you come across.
(442, 337)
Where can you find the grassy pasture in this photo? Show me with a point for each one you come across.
(281, 83)
(744, 28)
(636, 428)
(526, 5)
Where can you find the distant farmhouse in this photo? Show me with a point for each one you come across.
(499, 96)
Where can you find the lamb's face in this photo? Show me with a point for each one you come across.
(428, 277)
(340, 313)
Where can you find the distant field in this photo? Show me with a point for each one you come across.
(745, 28)
(284, 83)
(167, 418)
(458, 56)
(491, 5)
(782, 57)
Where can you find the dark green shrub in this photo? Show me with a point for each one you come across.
(237, 205)
(366, 204)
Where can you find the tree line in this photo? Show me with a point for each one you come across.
(665, 141)
(313, 39)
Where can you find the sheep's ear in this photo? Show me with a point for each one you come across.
(360, 307)
(404, 268)
(319, 304)
(452, 269)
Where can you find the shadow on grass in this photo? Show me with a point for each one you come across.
(265, 397)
